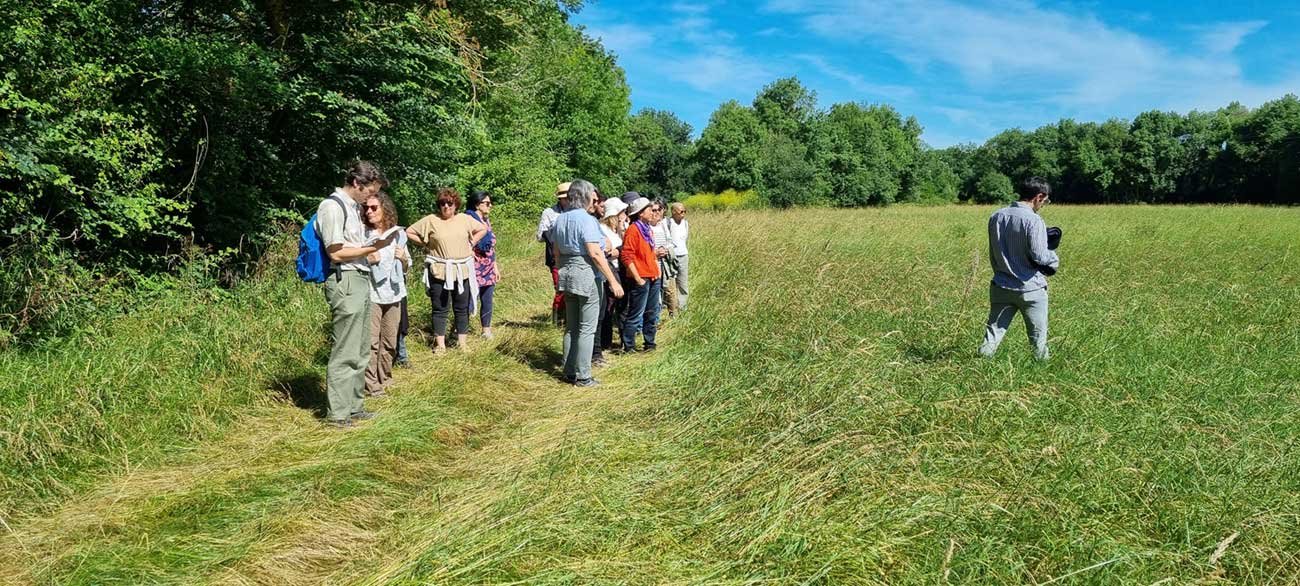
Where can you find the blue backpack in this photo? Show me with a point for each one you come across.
(313, 261)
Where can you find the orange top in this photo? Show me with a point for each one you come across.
(638, 253)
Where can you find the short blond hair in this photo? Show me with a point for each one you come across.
(677, 205)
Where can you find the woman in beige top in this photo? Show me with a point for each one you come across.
(448, 239)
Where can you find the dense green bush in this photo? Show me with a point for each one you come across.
(994, 187)
(132, 134)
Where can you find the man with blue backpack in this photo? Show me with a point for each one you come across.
(332, 249)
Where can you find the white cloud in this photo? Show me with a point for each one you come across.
(1017, 48)
(856, 82)
(622, 38)
(1226, 37)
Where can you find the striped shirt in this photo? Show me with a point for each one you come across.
(1017, 247)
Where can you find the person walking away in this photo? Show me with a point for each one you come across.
(388, 268)
(664, 255)
(549, 215)
(579, 254)
(479, 207)
(448, 237)
(612, 224)
(641, 310)
(347, 290)
(678, 231)
(1019, 255)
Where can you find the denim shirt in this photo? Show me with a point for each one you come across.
(1017, 247)
(388, 276)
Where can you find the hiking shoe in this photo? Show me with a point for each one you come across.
(379, 393)
(599, 361)
(363, 415)
(338, 423)
(586, 382)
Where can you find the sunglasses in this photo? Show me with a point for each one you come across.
(485, 203)
(446, 204)
(373, 208)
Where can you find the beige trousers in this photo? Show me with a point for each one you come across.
(384, 320)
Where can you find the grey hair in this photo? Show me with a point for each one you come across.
(581, 193)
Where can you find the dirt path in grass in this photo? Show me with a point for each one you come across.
(280, 499)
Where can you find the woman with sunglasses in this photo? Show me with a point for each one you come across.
(387, 291)
(448, 238)
(479, 207)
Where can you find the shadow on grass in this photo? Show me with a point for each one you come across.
(534, 344)
(540, 322)
(306, 390)
(921, 352)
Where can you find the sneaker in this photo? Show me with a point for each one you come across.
(363, 415)
(402, 364)
(488, 336)
(649, 348)
(586, 382)
(379, 393)
(599, 361)
(338, 423)
(627, 351)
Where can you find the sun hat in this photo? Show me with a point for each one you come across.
(640, 204)
(630, 197)
(562, 190)
(613, 207)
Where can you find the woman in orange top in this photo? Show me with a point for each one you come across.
(641, 279)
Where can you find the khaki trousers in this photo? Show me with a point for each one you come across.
(348, 294)
(384, 321)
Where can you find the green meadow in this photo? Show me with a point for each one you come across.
(818, 416)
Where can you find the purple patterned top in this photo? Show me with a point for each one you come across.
(485, 260)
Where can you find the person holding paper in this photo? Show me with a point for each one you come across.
(347, 290)
(387, 290)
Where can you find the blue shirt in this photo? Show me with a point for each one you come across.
(570, 235)
(1017, 247)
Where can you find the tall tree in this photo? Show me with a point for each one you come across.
(729, 153)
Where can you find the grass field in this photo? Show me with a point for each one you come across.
(819, 416)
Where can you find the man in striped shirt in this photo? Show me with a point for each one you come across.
(1021, 260)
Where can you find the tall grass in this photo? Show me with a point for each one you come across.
(172, 371)
(818, 416)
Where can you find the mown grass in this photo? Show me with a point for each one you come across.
(819, 416)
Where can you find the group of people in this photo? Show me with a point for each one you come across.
(614, 261)
(366, 285)
(596, 247)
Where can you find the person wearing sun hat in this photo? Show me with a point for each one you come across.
(549, 215)
(641, 271)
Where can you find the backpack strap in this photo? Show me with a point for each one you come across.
(344, 207)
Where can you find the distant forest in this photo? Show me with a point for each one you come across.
(795, 153)
(137, 134)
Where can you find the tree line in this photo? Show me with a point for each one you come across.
(139, 135)
(795, 153)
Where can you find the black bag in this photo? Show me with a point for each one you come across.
(1053, 238)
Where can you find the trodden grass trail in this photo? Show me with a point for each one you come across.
(818, 416)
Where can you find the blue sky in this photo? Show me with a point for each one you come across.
(965, 70)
